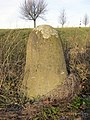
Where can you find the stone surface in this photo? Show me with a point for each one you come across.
(66, 91)
(45, 68)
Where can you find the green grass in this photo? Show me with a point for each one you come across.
(73, 36)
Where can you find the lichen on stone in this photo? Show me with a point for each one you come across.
(46, 31)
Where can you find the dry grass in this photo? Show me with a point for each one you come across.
(12, 62)
(76, 45)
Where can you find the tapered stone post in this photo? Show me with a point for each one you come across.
(45, 67)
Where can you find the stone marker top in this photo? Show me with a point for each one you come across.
(46, 30)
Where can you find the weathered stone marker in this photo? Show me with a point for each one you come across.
(45, 68)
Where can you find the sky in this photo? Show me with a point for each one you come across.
(10, 16)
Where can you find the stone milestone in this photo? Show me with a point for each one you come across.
(45, 68)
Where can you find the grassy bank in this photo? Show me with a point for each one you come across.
(76, 45)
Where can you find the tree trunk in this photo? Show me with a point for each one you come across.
(62, 25)
(34, 23)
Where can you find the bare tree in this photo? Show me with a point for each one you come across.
(86, 20)
(62, 17)
(32, 9)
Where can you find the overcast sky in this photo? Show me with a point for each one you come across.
(75, 10)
